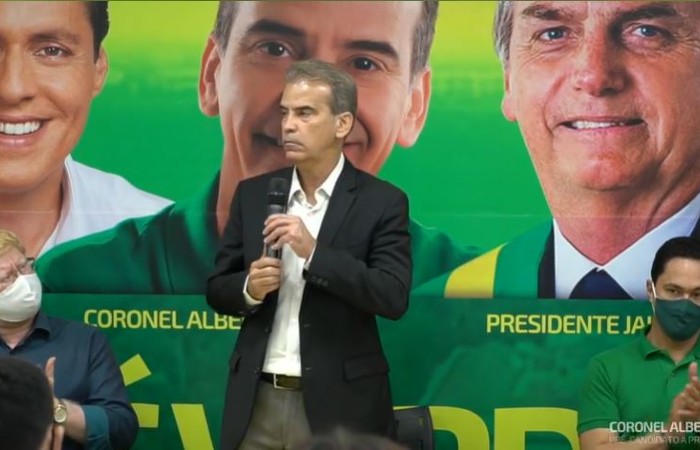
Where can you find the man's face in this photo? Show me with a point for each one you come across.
(310, 130)
(48, 77)
(372, 41)
(605, 92)
(12, 264)
(680, 279)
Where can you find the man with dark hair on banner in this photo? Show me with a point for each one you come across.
(604, 94)
(383, 45)
(52, 65)
(308, 357)
(90, 397)
(26, 408)
(646, 393)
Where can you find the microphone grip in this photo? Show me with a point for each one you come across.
(269, 251)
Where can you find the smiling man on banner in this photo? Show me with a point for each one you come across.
(604, 94)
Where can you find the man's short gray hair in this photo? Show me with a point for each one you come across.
(503, 30)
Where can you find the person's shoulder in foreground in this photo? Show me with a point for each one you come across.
(26, 407)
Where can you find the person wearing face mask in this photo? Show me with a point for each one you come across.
(645, 395)
(90, 399)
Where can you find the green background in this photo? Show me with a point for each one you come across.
(440, 355)
(462, 176)
(469, 175)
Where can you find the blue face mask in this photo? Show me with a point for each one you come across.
(680, 319)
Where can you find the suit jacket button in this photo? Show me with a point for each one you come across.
(267, 329)
(307, 369)
(306, 325)
(257, 371)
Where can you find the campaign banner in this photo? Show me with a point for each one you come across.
(497, 375)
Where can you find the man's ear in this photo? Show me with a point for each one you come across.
(417, 109)
(650, 290)
(101, 68)
(344, 123)
(208, 93)
(507, 104)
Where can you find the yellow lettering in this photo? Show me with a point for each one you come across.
(119, 318)
(511, 424)
(492, 320)
(468, 428)
(638, 324)
(192, 425)
(613, 325)
(87, 317)
(206, 323)
(507, 321)
(554, 324)
(194, 321)
(535, 322)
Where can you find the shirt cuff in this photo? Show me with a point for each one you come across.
(250, 301)
(96, 428)
(308, 260)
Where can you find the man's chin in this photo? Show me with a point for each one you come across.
(604, 179)
(294, 156)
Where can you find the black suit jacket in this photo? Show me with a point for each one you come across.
(545, 279)
(361, 268)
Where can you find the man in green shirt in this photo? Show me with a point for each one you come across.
(383, 45)
(645, 395)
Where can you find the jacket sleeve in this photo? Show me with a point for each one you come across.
(110, 421)
(380, 284)
(225, 285)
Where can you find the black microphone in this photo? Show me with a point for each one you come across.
(277, 193)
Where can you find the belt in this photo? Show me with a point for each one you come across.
(286, 382)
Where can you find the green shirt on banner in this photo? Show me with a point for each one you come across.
(172, 252)
(629, 390)
(508, 271)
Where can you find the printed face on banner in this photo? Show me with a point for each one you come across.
(48, 78)
(605, 92)
(372, 41)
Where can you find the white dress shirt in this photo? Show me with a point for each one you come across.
(630, 268)
(283, 354)
(94, 201)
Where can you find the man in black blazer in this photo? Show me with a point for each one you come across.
(308, 356)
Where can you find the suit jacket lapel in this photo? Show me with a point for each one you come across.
(341, 200)
(545, 285)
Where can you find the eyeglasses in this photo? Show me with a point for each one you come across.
(9, 273)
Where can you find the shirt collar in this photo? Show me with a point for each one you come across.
(630, 267)
(326, 187)
(42, 322)
(647, 348)
(67, 196)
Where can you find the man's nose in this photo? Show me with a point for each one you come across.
(288, 123)
(17, 78)
(599, 68)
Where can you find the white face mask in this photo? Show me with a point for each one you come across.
(21, 300)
